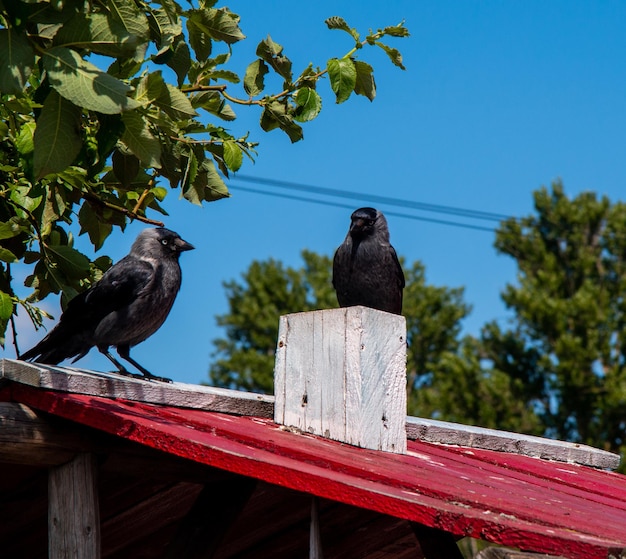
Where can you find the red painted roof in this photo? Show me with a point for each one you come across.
(533, 504)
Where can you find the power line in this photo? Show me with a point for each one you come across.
(349, 207)
(386, 200)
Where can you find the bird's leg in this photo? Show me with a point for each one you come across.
(120, 368)
(124, 353)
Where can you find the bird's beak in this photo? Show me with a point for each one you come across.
(183, 245)
(356, 225)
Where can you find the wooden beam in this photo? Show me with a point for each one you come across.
(443, 432)
(29, 437)
(315, 536)
(216, 508)
(341, 374)
(73, 512)
(435, 543)
(112, 385)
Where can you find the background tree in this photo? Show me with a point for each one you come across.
(565, 352)
(244, 359)
(91, 129)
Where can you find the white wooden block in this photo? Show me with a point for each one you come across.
(341, 373)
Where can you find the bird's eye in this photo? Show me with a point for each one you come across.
(370, 222)
(164, 242)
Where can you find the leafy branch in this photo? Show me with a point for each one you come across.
(97, 146)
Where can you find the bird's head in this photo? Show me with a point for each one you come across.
(160, 242)
(365, 222)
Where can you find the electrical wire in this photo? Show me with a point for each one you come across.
(385, 200)
(349, 207)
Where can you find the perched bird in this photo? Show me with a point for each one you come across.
(366, 270)
(129, 303)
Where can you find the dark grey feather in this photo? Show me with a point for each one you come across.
(366, 270)
(129, 303)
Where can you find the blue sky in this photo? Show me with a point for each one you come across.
(498, 98)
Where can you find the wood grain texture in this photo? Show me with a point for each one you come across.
(341, 374)
(113, 385)
(73, 513)
(431, 430)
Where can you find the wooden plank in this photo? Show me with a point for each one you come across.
(73, 513)
(442, 432)
(451, 493)
(315, 537)
(26, 437)
(112, 385)
(341, 374)
(436, 544)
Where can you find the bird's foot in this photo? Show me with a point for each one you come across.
(126, 373)
(150, 376)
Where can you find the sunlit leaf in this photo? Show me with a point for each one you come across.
(84, 84)
(365, 84)
(254, 82)
(6, 306)
(308, 104)
(342, 75)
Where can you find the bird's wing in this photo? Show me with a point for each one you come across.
(398, 267)
(118, 287)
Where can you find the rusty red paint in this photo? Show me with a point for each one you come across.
(514, 500)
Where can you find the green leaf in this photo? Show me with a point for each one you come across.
(214, 187)
(336, 22)
(10, 229)
(221, 25)
(214, 103)
(101, 34)
(7, 256)
(342, 75)
(271, 53)
(6, 306)
(393, 54)
(275, 115)
(57, 137)
(199, 40)
(233, 156)
(90, 223)
(132, 19)
(308, 104)
(180, 60)
(25, 143)
(396, 30)
(165, 27)
(84, 84)
(125, 167)
(365, 84)
(254, 80)
(154, 89)
(140, 141)
(73, 263)
(17, 60)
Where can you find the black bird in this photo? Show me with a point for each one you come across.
(129, 303)
(366, 270)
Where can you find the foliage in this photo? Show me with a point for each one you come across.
(245, 358)
(567, 344)
(91, 129)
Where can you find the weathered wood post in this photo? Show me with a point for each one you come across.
(73, 513)
(341, 373)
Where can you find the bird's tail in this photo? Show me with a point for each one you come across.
(57, 346)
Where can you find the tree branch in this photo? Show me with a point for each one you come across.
(131, 214)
